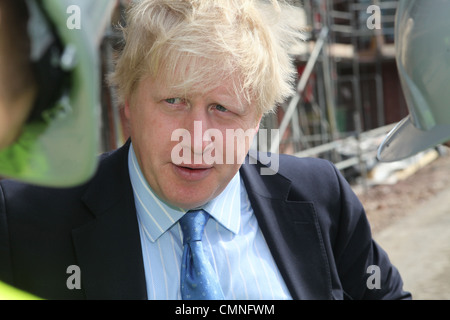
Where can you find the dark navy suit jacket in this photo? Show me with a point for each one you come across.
(314, 225)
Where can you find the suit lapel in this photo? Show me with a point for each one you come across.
(108, 248)
(292, 233)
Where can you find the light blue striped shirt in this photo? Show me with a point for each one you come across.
(232, 241)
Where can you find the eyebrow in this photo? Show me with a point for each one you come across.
(229, 100)
(239, 106)
(162, 92)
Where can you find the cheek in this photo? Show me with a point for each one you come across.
(154, 133)
(145, 120)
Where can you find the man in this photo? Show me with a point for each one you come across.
(194, 76)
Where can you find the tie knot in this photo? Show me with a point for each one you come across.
(192, 224)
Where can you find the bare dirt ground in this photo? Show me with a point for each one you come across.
(386, 204)
(411, 221)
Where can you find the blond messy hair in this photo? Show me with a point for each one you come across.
(196, 44)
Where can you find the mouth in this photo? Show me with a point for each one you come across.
(192, 172)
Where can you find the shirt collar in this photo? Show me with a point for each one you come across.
(157, 216)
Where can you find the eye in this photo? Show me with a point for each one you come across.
(174, 100)
(220, 108)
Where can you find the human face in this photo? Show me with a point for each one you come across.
(155, 112)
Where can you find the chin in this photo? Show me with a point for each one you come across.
(190, 197)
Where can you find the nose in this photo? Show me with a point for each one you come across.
(199, 141)
(198, 125)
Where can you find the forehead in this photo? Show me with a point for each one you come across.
(182, 70)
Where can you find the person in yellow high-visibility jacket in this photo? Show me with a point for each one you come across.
(50, 90)
(49, 94)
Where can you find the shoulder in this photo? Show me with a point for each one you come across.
(314, 167)
(20, 194)
(17, 196)
(305, 170)
(306, 179)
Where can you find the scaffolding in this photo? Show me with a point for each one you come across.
(344, 70)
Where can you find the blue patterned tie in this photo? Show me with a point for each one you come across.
(198, 279)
